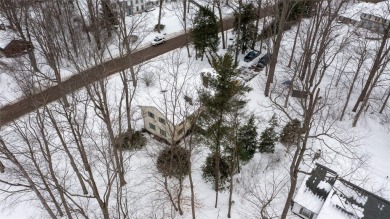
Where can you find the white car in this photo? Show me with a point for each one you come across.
(158, 40)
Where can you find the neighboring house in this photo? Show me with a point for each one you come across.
(130, 6)
(160, 123)
(16, 48)
(155, 122)
(373, 1)
(374, 23)
(323, 195)
(137, 6)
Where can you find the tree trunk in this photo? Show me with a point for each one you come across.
(257, 26)
(299, 153)
(380, 55)
(384, 104)
(33, 187)
(179, 196)
(233, 162)
(159, 16)
(276, 45)
(46, 150)
(294, 44)
(367, 95)
(355, 77)
(221, 23)
(66, 149)
(238, 33)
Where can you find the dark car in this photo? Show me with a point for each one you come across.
(264, 60)
(251, 55)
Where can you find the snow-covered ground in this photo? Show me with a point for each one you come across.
(264, 176)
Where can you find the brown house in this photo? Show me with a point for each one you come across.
(17, 48)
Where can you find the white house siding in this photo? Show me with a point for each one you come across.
(137, 6)
(155, 121)
(180, 129)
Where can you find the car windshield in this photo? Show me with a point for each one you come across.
(251, 54)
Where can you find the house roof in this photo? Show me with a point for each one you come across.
(315, 188)
(380, 9)
(354, 202)
(17, 47)
(330, 196)
(321, 181)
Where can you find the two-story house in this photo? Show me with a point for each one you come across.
(157, 123)
(130, 6)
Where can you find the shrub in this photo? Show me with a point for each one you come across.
(174, 161)
(162, 26)
(290, 132)
(136, 142)
(267, 140)
(209, 170)
(247, 140)
(148, 79)
(269, 136)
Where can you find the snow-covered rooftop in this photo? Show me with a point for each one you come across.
(380, 9)
(323, 193)
(315, 188)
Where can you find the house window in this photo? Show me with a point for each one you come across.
(152, 126)
(136, 2)
(163, 133)
(151, 115)
(137, 8)
(306, 212)
(161, 120)
(142, 7)
(142, 1)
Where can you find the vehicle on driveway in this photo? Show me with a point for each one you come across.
(251, 55)
(150, 9)
(158, 40)
(264, 60)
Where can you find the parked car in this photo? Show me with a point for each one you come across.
(251, 55)
(264, 60)
(158, 40)
(152, 8)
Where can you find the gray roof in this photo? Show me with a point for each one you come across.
(372, 206)
(320, 173)
(353, 201)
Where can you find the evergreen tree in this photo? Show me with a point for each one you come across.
(208, 170)
(205, 32)
(108, 18)
(223, 97)
(247, 140)
(290, 133)
(269, 137)
(248, 29)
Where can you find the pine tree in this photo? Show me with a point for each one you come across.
(247, 140)
(290, 133)
(208, 170)
(269, 137)
(224, 97)
(205, 32)
(109, 19)
(248, 29)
